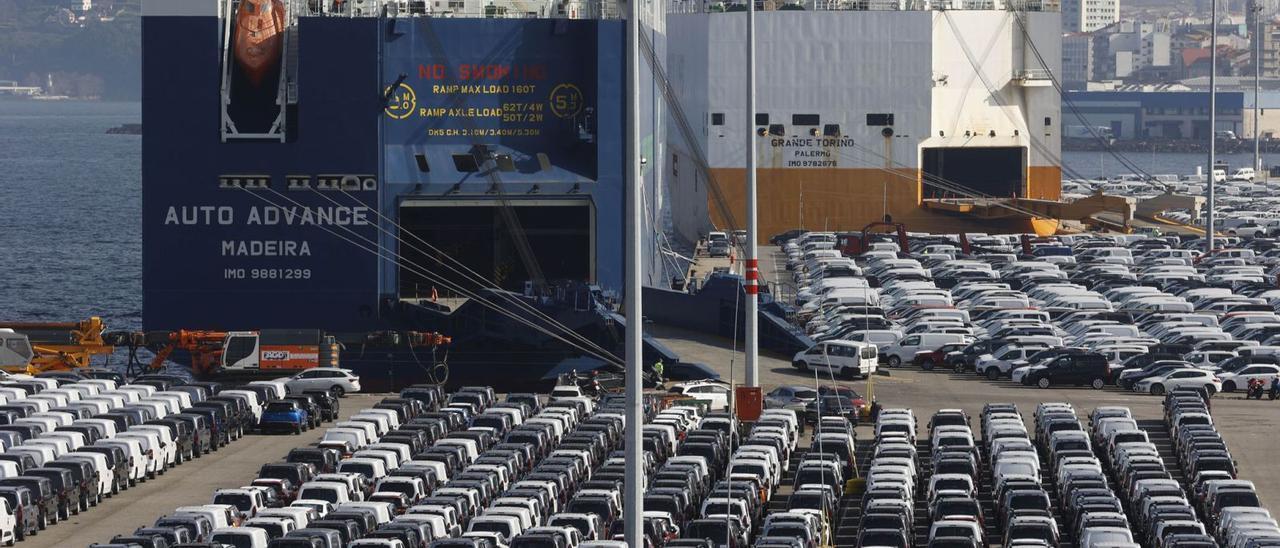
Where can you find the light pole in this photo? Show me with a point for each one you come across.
(1213, 123)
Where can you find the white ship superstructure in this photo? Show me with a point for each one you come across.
(865, 109)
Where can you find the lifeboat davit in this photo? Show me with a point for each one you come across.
(259, 35)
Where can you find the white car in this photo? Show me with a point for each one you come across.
(1239, 380)
(330, 379)
(715, 392)
(1180, 378)
(1002, 362)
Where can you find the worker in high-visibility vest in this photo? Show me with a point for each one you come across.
(657, 369)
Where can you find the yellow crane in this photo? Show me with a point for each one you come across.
(53, 346)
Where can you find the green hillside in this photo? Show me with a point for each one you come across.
(94, 53)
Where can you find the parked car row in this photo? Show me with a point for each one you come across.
(1110, 486)
(469, 471)
(1227, 506)
(1149, 314)
(70, 441)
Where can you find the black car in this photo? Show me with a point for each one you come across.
(1075, 368)
(42, 494)
(242, 418)
(145, 541)
(307, 538)
(324, 460)
(201, 434)
(296, 473)
(65, 488)
(329, 405)
(182, 433)
(24, 462)
(219, 433)
(26, 510)
(117, 459)
(831, 406)
(312, 408)
(92, 432)
(84, 474)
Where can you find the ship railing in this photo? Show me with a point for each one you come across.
(467, 9)
(719, 6)
(1032, 74)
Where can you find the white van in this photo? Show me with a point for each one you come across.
(905, 350)
(354, 436)
(240, 537)
(8, 523)
(220, 515)
(278, 387)
(137, 458)
(106, 475)
(331, 491)
(254, 402)
(840, 358)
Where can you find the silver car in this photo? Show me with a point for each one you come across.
(790, 397)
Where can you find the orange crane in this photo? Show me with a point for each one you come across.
(270, 351)
(205, 348)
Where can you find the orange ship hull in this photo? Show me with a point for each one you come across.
(259, 35)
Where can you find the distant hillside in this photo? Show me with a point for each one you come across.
(93, 52)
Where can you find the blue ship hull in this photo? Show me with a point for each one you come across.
(404, 140)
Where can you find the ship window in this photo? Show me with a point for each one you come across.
(805, 120)
(879, 119)
(777, 130)
(762, 119)
(465, 163)
(831, 130)
(1048, 121)
(423, 166)
(717, 118)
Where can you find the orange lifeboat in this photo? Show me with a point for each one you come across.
(259, 36)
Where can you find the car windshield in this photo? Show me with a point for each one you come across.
(806, 394)
(238, 540)
(953, 531)
(712, 530)
(242, 502)
(583, 525)
(330, 495)
(956, 508)
(803, 500)
(361, 468)
(534, 542)
(882, 521)
(836, 402)
(1029, 502)
(273, 530)
(279, 407)
(1238, 499)
(398, 487)
(793, 531)
(882, 538)
(501, 528)
(715, 508)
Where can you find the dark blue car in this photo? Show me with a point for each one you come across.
(284, 415)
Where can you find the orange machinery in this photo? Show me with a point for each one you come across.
(60, 345)
(268, 350)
